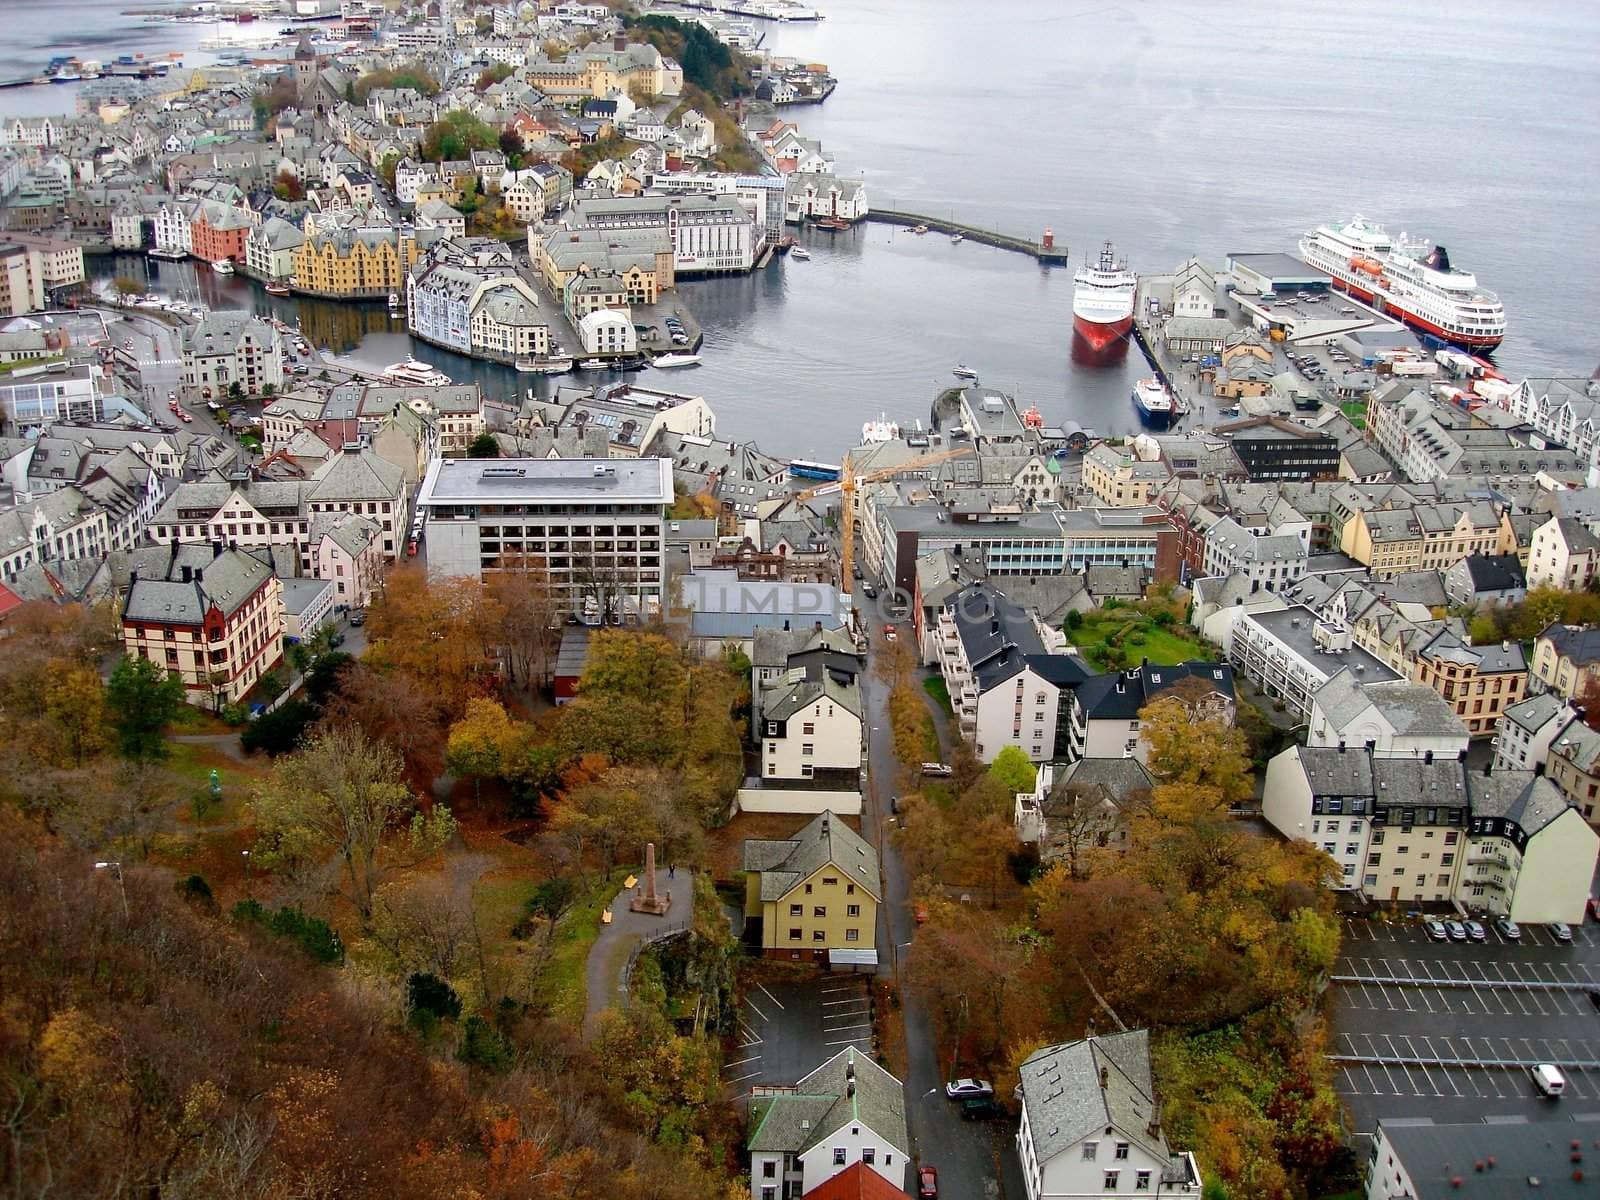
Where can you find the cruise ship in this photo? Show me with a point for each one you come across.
(1102, 298)
(1407, 279)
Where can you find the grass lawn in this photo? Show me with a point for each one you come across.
(1356, 410)
(1163, 646)
(936, 688)
(563, 976)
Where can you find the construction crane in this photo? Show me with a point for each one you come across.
(849, 480)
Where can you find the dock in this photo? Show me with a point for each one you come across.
(1048, 252)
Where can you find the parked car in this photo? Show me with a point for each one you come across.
(1456, 930)
(894, 805)
(411, 547)
(1560, 930)
(980, 1108)
(1508, 930)
(358, 616)
(1548, 1079)
(336, 640)
(1437, 931)
(927, 1184)
(869, 590)
(889, 633)
(962, 1089)
(1476, 932)
(940, 770)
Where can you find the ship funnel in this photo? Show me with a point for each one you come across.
(1439, 259)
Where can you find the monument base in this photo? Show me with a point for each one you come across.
(657, 905)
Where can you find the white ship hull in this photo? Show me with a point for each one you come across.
(1395, 277)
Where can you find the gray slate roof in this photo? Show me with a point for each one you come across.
(824, 1101)
(785, 862)
(1412, 708)
(1060, 1086)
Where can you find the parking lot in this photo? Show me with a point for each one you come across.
(787, 1030)
(1447, 1030)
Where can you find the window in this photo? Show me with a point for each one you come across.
(769, 1193)
(797, 910)
(1089, 1149)
(1352, 848)
(807, 749)
(772, 729)
(852, 910)
(830, 881)
(819, 910)
(794, 935)
(1377, 837)
(1111, 1180)
(1141, 1181)
(769, 1169)
(808, 728)
(1369, 881)
(869, 1154)
(1333, 827)
(818, 935)
(852, 935)
(1122, 1150)
(808, 889)
(838, 1156)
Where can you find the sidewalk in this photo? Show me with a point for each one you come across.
(614, 948)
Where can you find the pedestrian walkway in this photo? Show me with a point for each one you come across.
(627, 932)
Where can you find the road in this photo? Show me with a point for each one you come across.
(964, 1152)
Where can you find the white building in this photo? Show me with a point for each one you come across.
(710, 234)
(1564, 554)
(597, 525)
(173, 233)
(1393, 717)
(1269, 561)
(810, 722)
(45, 394)
(1291, 653)
(607, 331)
(1422, 1160)
(1527, 729)
(1103, 712)
(847, 1111)
(1091, 1124)
(232, 347)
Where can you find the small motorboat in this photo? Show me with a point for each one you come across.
(919, 229)
(962, 371)
(593, 364)
(801, 253)
(222, 267)
(277, 288)
(675, 360)
(956, 239)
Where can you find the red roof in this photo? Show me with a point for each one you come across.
(9, 600)
(856, 1182)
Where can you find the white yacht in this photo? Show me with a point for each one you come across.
(412, 373)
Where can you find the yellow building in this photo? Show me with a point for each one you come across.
(351, 263)
(814, 893)
(1119, 478)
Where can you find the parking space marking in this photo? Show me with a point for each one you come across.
(846, 1000)
(769, 995)
(742, 1078)
(739, 1062)
(756, 1010)
(855, 1041)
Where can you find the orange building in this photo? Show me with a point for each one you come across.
(218, 231)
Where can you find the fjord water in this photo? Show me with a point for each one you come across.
(1173, 128)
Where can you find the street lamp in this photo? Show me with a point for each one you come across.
(121, 886)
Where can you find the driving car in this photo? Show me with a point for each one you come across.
(1560, 930)
(1475, 931)
(927, 1184)
(961, 1089)
(1508, 930)
(1437, 931)
(869, 589)
(1456, 930)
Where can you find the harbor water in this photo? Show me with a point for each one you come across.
(1172, 128)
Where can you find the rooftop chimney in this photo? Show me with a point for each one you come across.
(1105, 1077)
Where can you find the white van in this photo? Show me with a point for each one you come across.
(1548, 1079)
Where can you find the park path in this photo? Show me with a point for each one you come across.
(609, 955)
(228, 743)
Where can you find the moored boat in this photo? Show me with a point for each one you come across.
(593, 364)
(222, 267)
(277, 288)
(412, 373)
(1153, 402)
(801, 253)
(675, 360)
(1102, 298)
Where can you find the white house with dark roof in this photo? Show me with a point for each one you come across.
(1091, 1124)
(1103, 712)
(1527, 730)
(1564, 554)
(810, 720)
(849, 1110)
(1079, 806)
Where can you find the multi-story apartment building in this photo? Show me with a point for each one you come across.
(1564, 554)
(1480, 682)
(1268, 561)
(173, 233)
(210, 614)
(465, 294)
(21, 279)
(709, 234)
(1119, 478)
(1566, 660)
(813, 893)
(1526, 730)
(1424, 537)
(232, 347)
(43, 395)
(217, 232)
(355, 263)
(1289, 654)
(252, 513)
(269, 248)
(60, 261)
(595, 525)
(640, 260)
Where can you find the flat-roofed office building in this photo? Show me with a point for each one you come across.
(595, 524)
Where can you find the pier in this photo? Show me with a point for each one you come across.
(1051, 254)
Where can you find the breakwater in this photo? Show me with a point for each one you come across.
(1054, 254)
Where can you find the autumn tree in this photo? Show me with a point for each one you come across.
(623, 809)
(142, 700)
(1188, 747)
(388, 707)
(1082, 820)
(455, 136)
(972, 967)
(478, 743)
(435, 631)
(1012, 769)
(530, 613)
(75, 711)
(344, 794)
